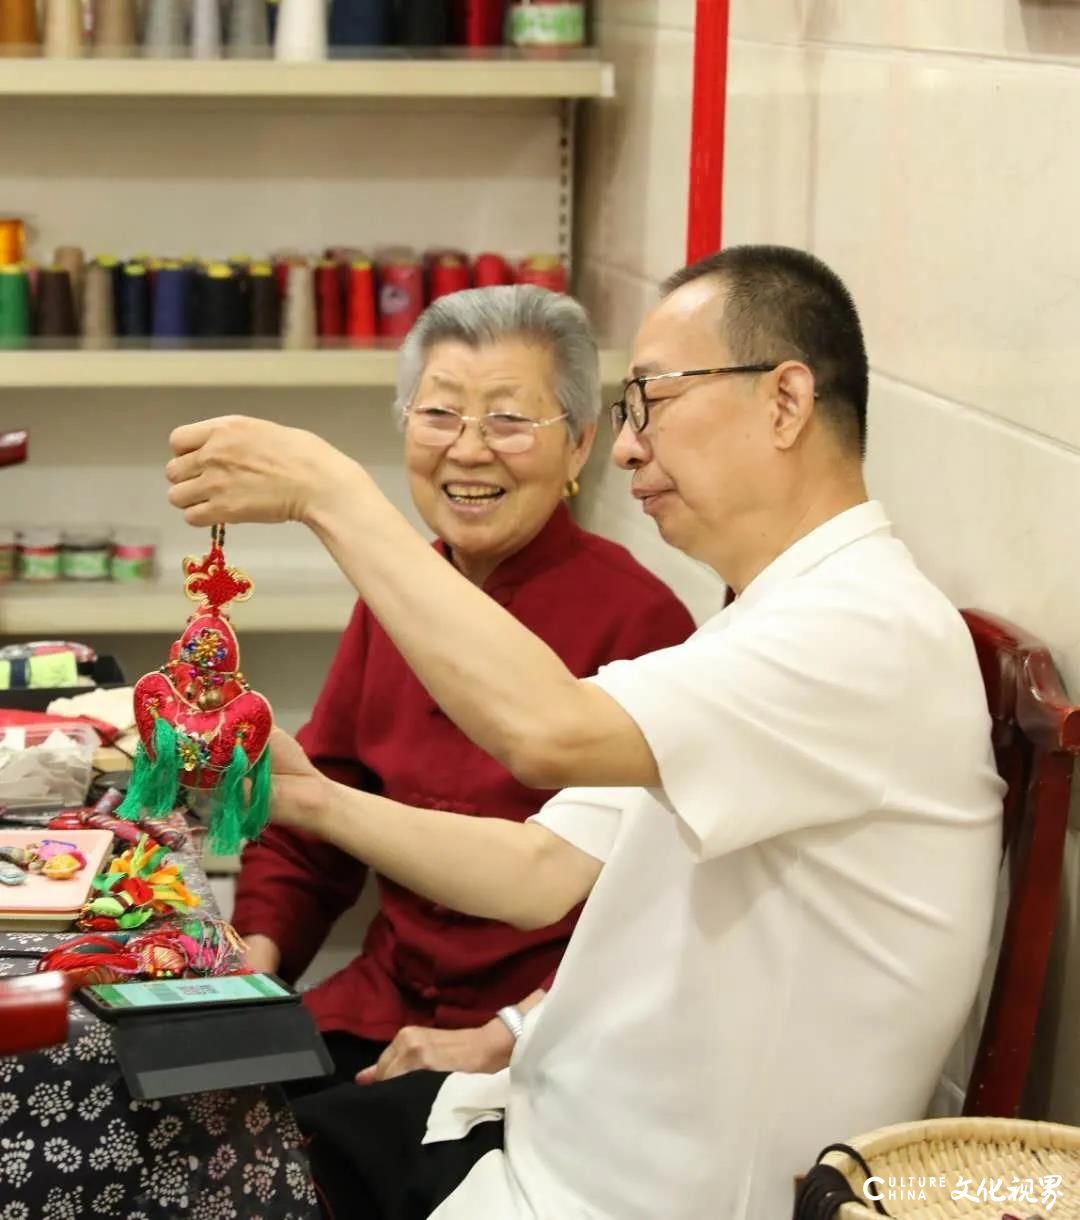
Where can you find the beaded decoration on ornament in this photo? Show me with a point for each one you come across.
(201, 726)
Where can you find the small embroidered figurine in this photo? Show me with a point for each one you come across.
(201, 726)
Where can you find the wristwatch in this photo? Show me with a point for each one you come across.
(513, 1019)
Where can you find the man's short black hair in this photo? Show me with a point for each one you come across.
(785, 304)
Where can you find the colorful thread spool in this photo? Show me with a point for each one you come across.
(248, 30)
(221, 313)
(62, 37)
(98, 306)
(301, 30)
(55, 304)
(115, 29)
(424, 23)
(401, 296)
(449, 273)
(265, 301)
(134, 313)
(478, 23)
(171, 294)
(12, 241)
(361, 322)
(298, 327)
(14, 306)
(490, 270)
(543, 270)
(165, 33)
(72, 260)
(206, 29)
(361, 23)
(19, 28)
(330, 301)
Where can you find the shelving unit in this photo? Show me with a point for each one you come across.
(472, 151)
(43, 611)
(364, 368)
(504, 74)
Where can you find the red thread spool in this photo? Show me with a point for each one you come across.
(449, 274)
(489, 270)
(361, 298)
(330, 303)
(401, 296)
(543, 270)
(281, 274)
(479, 23)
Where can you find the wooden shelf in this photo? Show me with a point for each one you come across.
(71, 370)
(498, 74)
(44, 611)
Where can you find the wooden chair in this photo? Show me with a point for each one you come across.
(1036, 739)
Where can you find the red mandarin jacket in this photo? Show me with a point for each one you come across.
(375, 727)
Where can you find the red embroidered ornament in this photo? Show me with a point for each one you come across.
(200, 724)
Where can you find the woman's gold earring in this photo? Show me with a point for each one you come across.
(571, 489)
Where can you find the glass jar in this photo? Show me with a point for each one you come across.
(39, 555)
(85, 554)
(134, 554)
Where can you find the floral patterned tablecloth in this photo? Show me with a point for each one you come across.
(74, 1145)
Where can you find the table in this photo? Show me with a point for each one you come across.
(74, 1145)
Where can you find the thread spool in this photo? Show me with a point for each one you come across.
(265, 301)
(115, 269)
(301, 30)
(12, 241)
(479, 23)
(134, 315)
(401, 296)
(98, 306)
(62, 36)
(298, 321)
(546, 23)
(171, 292)
(116, 28)
(330, 303)
(164, 32)
(206, 29)
(220, 306)
(361, 321)
(360, 23)
(424, 23)
(14, 306)
(449, 274)
(72, 259)
(55, 304)
(248, 30)
(490, 270)
(19, 28)
(543, 270)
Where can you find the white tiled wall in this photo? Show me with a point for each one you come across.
(925, 150)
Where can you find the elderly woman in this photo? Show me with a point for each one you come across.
(498, 392)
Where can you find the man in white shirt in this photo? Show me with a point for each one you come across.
(787, 828)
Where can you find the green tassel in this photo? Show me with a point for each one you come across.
(229, 807)
(153, 786)
(258, 809)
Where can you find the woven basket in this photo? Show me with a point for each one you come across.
(982, 1151)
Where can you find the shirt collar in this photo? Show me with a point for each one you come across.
(838, 532)
(548, 547)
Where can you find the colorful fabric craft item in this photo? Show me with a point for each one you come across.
(201, 726)
(53, 858)
(140, 883)
(159, 829)
(199, 947)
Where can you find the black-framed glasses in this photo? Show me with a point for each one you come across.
(439, 428)
(633, 407)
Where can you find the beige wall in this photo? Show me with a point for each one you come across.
(926, 151)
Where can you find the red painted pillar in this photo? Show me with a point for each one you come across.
(709, 110)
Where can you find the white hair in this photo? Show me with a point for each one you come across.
(482, 316)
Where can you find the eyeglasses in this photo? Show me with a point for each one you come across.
(440, 427)
(633, 407)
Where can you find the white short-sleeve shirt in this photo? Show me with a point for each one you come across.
(787, 935)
